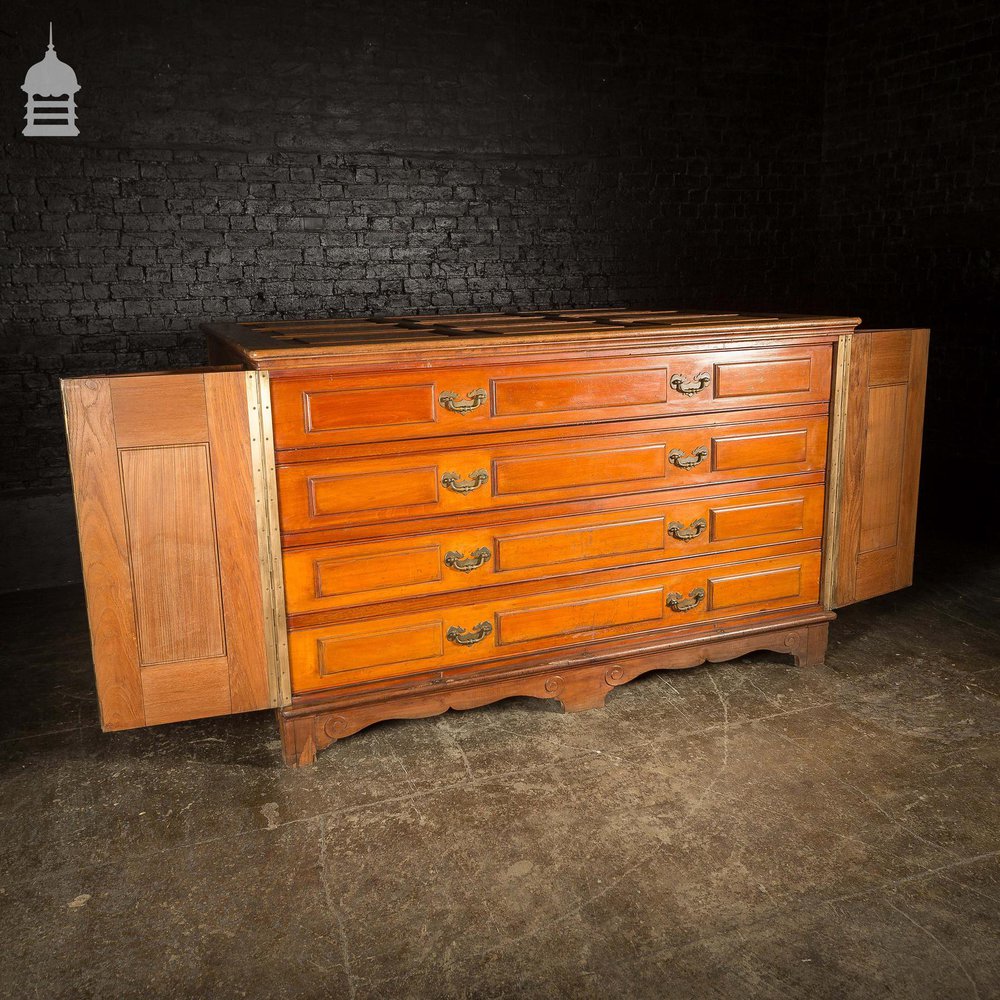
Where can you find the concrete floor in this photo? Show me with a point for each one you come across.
(742, 830)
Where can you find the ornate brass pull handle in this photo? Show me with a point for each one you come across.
(479, 557)
(449, 400)
(692, 386)
(451, 481)
(458, 635)
(682, 461)
(677, 530)
(677, 603)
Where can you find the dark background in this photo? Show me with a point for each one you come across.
(307, 158)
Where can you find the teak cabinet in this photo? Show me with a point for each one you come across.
(356, 520)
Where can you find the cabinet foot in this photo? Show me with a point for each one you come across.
(813, 646)
(585, 693)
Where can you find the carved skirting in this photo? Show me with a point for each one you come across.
(308, 727)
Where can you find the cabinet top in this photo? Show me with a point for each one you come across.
(285, 343)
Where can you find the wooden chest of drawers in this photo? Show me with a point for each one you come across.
(351, 520)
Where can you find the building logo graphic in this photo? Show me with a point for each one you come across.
(51, 88)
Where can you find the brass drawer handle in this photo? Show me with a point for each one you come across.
(677, 603)
(682, 461)
(677, 530)
(456, 560)
(690, 388)
(458, 635)
(451, 481)
(449, 400)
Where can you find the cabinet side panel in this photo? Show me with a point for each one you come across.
(90, 431)
(166, 488)
(881, 463)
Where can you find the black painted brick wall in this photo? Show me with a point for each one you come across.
(346, 158)
(911, 213)
(308, 158)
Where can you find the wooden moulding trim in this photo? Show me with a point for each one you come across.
(307, 729)
(835, 470)
(569, 659)
(261, 349)
(341, 361)
(268, 536)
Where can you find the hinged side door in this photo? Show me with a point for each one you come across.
(173, 480)
(877, 425)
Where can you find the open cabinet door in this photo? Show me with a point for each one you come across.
(877, 426)
(171, 480)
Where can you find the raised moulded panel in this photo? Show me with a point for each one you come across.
(746, 379)
(579, 617)
(734, 590)
(390, 406)
(561, 393)
(760, 519)
(750, 451)
(552, 548)
(172, 538)
(575, 469)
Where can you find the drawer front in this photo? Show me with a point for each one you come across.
(340, 409)
(315, 495)
(329, 656)
(324, 577)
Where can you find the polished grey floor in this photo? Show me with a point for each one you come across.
(742, 830)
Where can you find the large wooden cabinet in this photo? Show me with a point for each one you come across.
(357, 520)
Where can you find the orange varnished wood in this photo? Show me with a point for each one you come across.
(237, 541)
(340, 575)
(572, 432)
(100, 519)
(881, 463)
(327, 656)
(171, 530)
(166, 509)
(477, 506)
(325, 494)
(383, 406)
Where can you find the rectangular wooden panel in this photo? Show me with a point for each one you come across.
(364, 647)
(561, 393)
(171, 532)
(748, 451)
(153, 412)
(880, 507)
(397, 567)
(535, 547)
(542, 473)
(342, 409)
(175, 692)
(326, 409)
(743, 379)
(462, 560)
(477, 631)
(372, 490)
(630, 608)
(874, 511)
(325, 494)
(171, 545)
(754, 588)
(760, 519)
